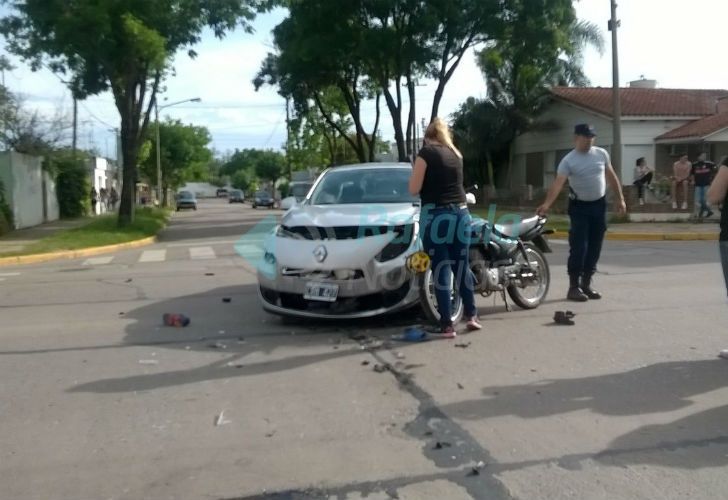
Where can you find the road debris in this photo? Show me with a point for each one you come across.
(148, 362)
(442, 444)
(365, 363)
(173, 319)
(209, 274)
(399, 355)
(128, 281)
(723, 354)
(463, 345)
(227, 300)
(381, 368)
(221, 420)
(460, 386)
(564, 318)
(216, 345)
(270, 434)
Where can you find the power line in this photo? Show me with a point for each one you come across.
(94, 116)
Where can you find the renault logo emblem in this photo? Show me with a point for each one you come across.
(320, 253)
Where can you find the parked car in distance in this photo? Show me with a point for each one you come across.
(186, 199)
(263, 199)
(221, 193)
(236, 196)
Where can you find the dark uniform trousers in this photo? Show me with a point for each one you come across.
(588, 225)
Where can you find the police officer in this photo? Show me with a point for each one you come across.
(588, 169)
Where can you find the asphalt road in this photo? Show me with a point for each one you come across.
(99, 400)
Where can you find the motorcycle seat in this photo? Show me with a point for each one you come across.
(518, 229)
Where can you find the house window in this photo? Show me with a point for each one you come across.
(534, 169)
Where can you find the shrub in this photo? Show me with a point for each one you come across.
(6, 215)
(72, 186)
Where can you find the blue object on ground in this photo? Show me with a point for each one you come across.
(412, 334)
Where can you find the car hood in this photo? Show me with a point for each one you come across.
(385, 214)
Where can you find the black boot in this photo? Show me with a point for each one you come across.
(575, 292)
(587, 289)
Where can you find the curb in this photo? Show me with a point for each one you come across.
(74, 254)
(648, 236)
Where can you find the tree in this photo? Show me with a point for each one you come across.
(242, 180)
(122, 46)
(269, 166)
(184, 154)
(28, 131)
(519, 71)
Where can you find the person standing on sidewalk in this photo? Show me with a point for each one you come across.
(718, 194)
(437, 176)
(702, 174)
(588, 170)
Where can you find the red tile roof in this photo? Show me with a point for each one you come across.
(644, 102)
(699, 128)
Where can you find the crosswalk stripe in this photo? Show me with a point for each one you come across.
(98, 261)
(199, 253)
(153, 256)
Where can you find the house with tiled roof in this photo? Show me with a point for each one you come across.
(657, 124)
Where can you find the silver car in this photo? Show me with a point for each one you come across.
(341, 252)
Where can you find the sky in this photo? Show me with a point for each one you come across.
(679, 44)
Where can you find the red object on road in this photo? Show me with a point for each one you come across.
(178, 320)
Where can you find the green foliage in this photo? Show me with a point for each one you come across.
(184, 155)
(6, 214)
(242, 180)
(102, 231)
(269, 165)
(122, 46)
(284, 189)
(72, 185)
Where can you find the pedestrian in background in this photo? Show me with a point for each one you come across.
(94, 200)
(717, 195)
(643, 177)
(702, 173)
(681, 177)
(588, 170)
(437, 176)
(113, 199)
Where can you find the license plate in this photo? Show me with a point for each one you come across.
(324, 292)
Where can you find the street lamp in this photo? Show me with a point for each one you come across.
(159, 153)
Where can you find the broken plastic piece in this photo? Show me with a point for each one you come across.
(221, 420)
(564, 318)
(412, 334)
(177, 320)
(227, 300)
(442, 444)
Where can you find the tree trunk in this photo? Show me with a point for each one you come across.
(395, 111)
(129, 170)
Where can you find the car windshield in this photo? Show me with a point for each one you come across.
(186, 195)
(262, 194)
(299, 191)
(364, 185)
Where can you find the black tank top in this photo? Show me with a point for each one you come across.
(443, 183)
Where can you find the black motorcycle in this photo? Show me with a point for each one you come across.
(503, 258)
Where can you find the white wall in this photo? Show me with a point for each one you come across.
(638, 139)
(53, 211)
(27, 190)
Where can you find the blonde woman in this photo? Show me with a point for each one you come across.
(437, 176)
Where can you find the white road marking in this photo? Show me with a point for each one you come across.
(153, 256)
(200, 253)
(558, 242)
(9, 274)
(98, 261)
(198, 243)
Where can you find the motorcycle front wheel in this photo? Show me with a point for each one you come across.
(428, 300)
(529, 295)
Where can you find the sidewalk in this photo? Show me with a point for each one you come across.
(659, 231)
(19, 239)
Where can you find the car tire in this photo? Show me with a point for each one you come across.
(255, 206)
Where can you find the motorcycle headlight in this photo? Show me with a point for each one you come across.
(399, 245)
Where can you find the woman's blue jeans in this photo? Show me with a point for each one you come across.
(446, 239)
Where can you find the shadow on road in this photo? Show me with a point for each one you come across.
(651, 389)
(214, 328)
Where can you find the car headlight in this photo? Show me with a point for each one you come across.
(284, 232)
(399, 245)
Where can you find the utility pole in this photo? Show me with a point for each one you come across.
(288, 138)
(614, 23)
(75, 122)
